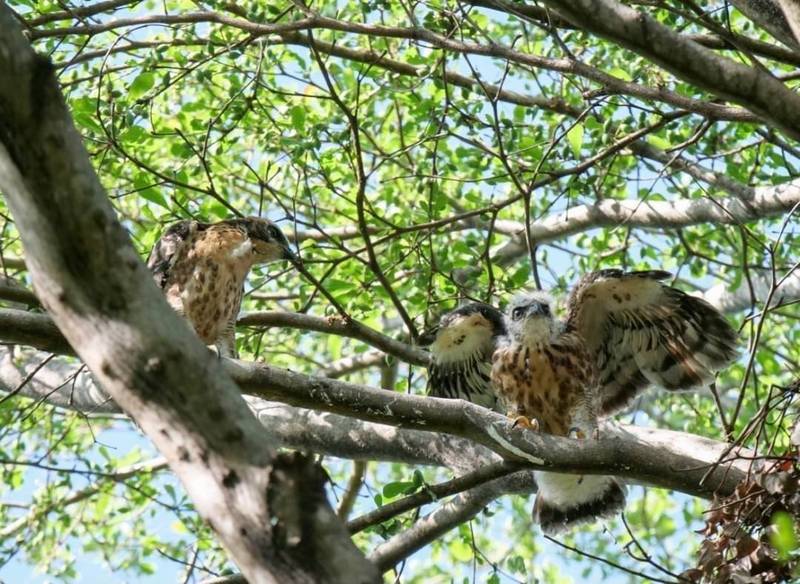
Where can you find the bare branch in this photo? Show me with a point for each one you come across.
(431, 493)
(448, 515)
(753, 88)
(742, 299)
(38, 513)
(338, 326)
(768, 15)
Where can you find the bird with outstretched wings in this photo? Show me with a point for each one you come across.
(201, 268)
(623, 332)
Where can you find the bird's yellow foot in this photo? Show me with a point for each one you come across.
(524, 422)
(576, 433)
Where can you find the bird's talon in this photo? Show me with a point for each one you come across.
(525, 422)
(576, 434)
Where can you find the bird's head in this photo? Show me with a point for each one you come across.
(464, 331)
(269, 242)
(529, 318)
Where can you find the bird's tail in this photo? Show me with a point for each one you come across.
(566, 500)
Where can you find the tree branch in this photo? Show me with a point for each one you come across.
(37, 513)
(338, 326)
(65, 384)
(98, 291)
(768, 15)
(751, 87)
(431, 493)
(626, 451)
(741, 299)
(447, 516)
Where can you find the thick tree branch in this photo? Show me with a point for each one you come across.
(741, 299)
(765, 201)
(751, 87)
(768, 15)
(87, 274)
(730, 41)
(63, 383)
(626, 451)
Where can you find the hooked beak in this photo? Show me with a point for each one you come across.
(538, 309)
(288, 254)
(427, 337)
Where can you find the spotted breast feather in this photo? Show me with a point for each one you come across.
(201, 269)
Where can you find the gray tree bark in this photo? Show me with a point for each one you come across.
(269, 511)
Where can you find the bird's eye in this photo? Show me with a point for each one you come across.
(518, 312)
(546, 309)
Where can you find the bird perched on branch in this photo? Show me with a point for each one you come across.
(202, 267)
(461, 354)
(623, 331)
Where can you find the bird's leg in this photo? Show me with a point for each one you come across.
(226, 343)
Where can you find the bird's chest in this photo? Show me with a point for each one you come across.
(208, 291)
(542, 383)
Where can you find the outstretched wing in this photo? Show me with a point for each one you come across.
(168, 248)
(642, 331)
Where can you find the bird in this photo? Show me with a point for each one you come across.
(623, 331)
(461, 348)
(546, 376)
(201, 269)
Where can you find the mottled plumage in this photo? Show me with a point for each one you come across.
(202, 267)
(461, 353)
(641, 332)
(623, 332)
(546, 376)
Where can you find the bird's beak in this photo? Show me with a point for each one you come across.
(427, 337)
(537, 309)
(288, 254)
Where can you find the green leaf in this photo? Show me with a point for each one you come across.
(620, 73)
(784, 536)
(148, 192)
(391, 490)
(462, 552)
(141, 85)
(134, 134)
(659, 142)
(298, 114)
(575, 138)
